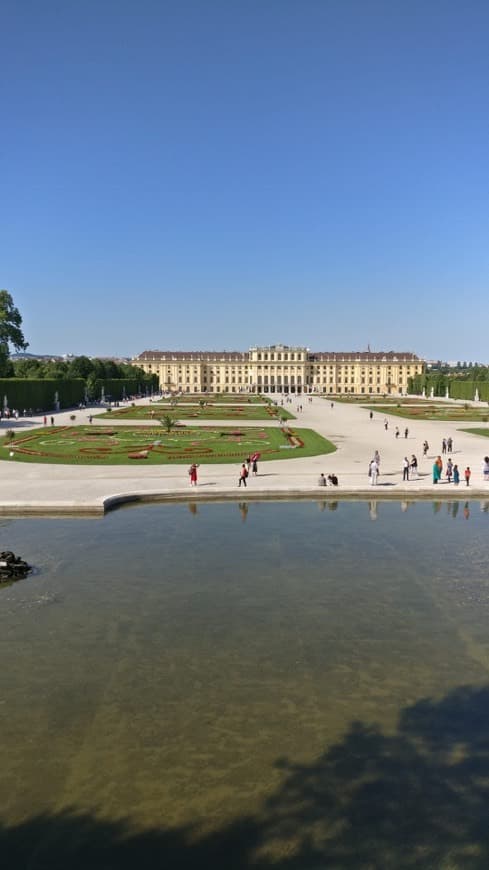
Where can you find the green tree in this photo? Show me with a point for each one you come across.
(80, 367)
(98, 368)
(10, 332)
(93, 386)
(28, 368)
(56, 369)
(112, 370)
(128, 371)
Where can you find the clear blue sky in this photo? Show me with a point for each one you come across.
(204, 174)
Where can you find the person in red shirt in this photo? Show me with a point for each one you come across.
(467, 474)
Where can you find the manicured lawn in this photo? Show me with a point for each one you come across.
(432, 411)
(216, 398)
(148, 445)
(155, 412)
(483, 432)
(373, 400)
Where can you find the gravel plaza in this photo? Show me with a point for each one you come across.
(30, 488)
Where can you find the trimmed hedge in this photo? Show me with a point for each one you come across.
(39, 395)
(114, 387)
(466, 390)
(457, 389)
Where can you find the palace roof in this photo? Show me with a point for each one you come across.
(366, 357)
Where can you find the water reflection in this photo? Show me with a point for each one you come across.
(374, 799)
(278, 683)
(374, 506)
(330, 505)
(243, 508)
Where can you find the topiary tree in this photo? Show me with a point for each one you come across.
(168, 422)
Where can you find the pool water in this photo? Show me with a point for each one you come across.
(254, 685)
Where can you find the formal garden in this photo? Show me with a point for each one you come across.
(413, 409)
(200, 411)
(213, 398)
(121, 445)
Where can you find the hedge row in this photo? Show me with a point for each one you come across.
(119, 388)
(40, 395)
(457, 389)
(34, 394)
(466, 390)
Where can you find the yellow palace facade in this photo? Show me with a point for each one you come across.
(279, 368)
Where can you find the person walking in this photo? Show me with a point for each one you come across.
(243, 474)
(449, 445)
(406, 432)
(456, 475)
(254, 466)
(386, 425)
(193, 474)
(426, 447)
(405, 468)
(467, 474)
(444, 446)
(414, 467)
(397, 432)
(373, 471)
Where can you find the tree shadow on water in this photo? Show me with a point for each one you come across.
(416, 798)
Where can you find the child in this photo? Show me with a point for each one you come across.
(467, 474)
(449, 470)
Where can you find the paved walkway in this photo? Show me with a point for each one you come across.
(28, 488)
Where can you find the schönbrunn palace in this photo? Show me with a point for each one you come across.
(281, 369)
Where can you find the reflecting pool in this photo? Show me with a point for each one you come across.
(253, 685)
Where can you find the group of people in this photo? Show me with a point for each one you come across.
(452, 472)
(397, 433)
(13, 414)
(410, 467)
(330, 480)
(447, 445)
(251, 464)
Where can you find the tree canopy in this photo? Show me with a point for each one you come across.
(10, 331)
